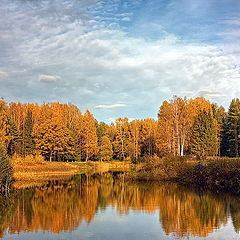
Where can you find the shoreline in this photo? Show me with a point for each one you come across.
(221, 174)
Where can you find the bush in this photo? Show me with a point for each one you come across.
(221, 174)
(163, 168)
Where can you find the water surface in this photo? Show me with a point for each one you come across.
(102, 207)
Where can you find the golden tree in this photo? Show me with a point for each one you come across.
(88, 136)
(106, 151)
(53, 139)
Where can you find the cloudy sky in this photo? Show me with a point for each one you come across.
(119, 57)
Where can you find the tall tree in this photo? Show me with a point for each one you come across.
(220, 115)
(28, 142)
(106, 151)
(4, 126)
(101, 130)
(134, 147)
(89, 140)
(233, 127)
(174, 116)
(205, 135)
(15, 142)
(53, 139)
(147, 136)
(121, 139)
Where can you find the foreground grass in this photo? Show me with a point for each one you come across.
(220, 174)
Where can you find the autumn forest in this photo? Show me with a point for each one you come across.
(61, 132)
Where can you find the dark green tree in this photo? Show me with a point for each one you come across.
(225, 143)
(101, 130)
(5, 170)
(14, 145)
(233, 128)
(205, 135)
(220, 115)
(28, 141)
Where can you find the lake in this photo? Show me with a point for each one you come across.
(101, 206)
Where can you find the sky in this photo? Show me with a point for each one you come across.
(119, 58)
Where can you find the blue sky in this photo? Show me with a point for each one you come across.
(119, 58)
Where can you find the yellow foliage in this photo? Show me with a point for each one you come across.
(28, 160)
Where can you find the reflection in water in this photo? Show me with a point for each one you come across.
(63, 205)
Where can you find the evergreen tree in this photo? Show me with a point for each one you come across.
(101, 130)
(28, 142)
(225, 143)
(220, 115)
(4, 126)
(205, 135)
(233, 128)
(14, 145)
(5, 170)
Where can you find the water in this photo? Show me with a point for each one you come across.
(103, 207)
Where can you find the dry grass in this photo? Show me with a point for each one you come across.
(109, 166)
(35, 168)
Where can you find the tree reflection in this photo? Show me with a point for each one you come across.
(63, 205)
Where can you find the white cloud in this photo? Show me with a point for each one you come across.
(48, 78)
(99, 64)
(210, 94)
(3, 74)
(109, 106)
(233, 21)
(127, 19)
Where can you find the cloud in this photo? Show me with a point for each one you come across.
(232, 21)
(49, 78)
(3, 74)
(126, 19)
(142, 62)
(210, 94)
(109, 106)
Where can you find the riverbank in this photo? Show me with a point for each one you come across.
(217, 174)
(34, 168)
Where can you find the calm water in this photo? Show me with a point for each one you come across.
(102, 207)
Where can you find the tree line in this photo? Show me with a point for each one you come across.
(61, 132)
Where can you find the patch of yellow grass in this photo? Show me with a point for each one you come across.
(35, 168)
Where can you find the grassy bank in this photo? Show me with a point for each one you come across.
(220, 174)
(97, 166)
(35, 168)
